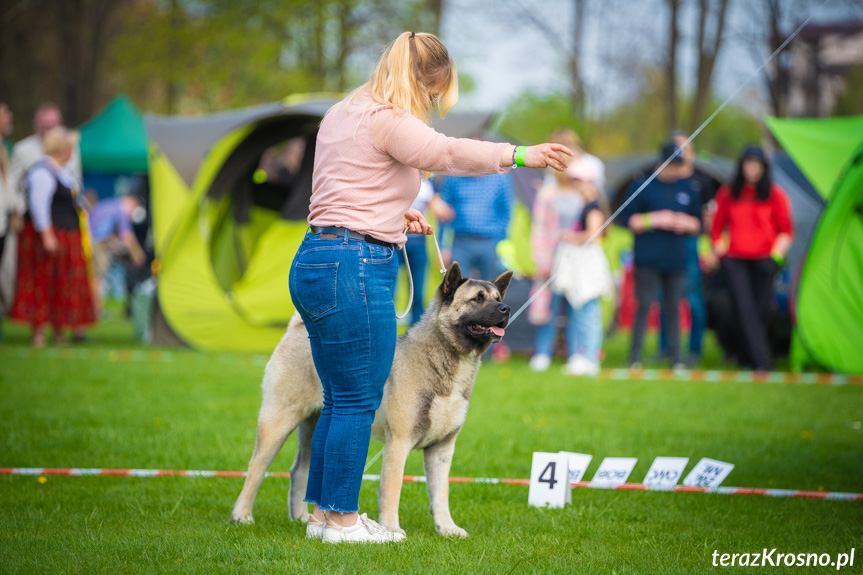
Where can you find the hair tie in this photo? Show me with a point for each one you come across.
(412, 35)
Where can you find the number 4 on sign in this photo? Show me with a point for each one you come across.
(549, 480)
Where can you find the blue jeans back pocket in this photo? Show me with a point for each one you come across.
(315, 287)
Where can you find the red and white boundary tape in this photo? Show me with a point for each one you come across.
(694, 375)
(80, 472)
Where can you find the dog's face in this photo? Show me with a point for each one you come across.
(472, 313)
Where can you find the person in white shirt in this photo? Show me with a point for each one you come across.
(29, 150)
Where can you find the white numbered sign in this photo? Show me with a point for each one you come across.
(578, 463)
(613, 471)
(708, 473)
(665, 472)
(549, 480)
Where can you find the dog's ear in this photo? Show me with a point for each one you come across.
(502, 282)
(451, 282)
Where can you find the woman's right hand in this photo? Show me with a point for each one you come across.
(547, 155)
(49, 241)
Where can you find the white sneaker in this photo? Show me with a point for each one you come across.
(315, 528)
(363, 531)
(591, 368)
(575, 365)
(540, 362)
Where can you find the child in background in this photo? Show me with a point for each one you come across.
(566, 214)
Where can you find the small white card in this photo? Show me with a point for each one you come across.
(665, 472)
(613, 471)
(578, 463)
(549, 480)
(708, 473)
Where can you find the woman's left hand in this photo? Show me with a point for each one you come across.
(416, 223)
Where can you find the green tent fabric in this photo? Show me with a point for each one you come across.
(822, 146)
(829, 303)
(115, 142)
(224, 251)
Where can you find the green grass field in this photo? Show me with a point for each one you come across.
(187, 410)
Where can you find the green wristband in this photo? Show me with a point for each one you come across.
(645, 221)
(778, 258)
(519, 156)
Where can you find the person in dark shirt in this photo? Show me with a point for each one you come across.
(662, 217)
(706, 188)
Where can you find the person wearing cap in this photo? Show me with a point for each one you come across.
(694, 291)
(566, 211)
(752, 232)
(53, 283)
(662, 216)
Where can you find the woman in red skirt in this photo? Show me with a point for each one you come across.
(53, 282)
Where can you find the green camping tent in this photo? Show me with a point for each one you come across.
(114, 142)
(224, 237)
(829, 302)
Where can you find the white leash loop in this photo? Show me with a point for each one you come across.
(410, 276)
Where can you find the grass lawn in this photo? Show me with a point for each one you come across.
(196, 411)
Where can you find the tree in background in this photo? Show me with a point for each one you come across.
(53, 51)
(207, 55)
(191, 56)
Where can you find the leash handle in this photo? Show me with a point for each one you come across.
(439, 255)
(411, 277)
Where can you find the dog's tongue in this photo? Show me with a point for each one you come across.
(498, 331)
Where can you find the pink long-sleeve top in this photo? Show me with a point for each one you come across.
(368, 161)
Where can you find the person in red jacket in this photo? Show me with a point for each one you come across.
(752, 233)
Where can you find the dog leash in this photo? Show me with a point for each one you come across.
(410, 276)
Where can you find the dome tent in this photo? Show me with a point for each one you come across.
(113, 146)
(829, 302)
(115, 142)
(224, 239)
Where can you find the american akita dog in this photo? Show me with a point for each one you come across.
(424, 402)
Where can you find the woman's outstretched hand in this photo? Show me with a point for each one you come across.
(548, 155)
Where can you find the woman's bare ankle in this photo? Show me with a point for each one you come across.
(343, 519)
(319, 514)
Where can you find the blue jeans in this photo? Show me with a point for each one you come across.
(418, 258)
(583, 329)
(477, 253)
(343, 289)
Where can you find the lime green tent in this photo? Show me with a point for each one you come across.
(224, 236)
(114, 142)
(829, 302)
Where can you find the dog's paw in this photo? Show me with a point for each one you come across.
(246, 519)
(393, 528)
(451, 531)
(303, 517)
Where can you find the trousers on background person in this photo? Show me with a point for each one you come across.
(694, 294)
(415, 249)
(649, 282)
(751, 284)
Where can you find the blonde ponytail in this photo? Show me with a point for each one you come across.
(411, 67)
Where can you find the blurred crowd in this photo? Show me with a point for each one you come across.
(65, 239)
(688, 230)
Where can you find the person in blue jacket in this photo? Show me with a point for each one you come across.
(662, 217)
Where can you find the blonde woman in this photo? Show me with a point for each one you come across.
(371, 149)
(53, 282)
